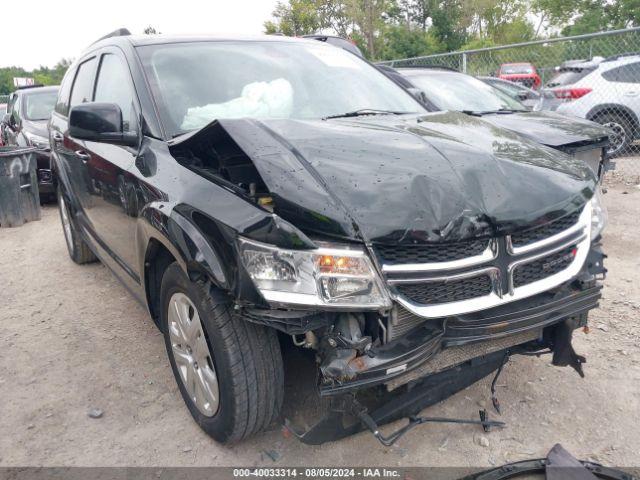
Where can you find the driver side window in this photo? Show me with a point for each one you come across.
(113, 86)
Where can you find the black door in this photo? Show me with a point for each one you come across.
(68, 151)
(111, 206)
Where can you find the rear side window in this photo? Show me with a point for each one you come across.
(567, 76)
(626, 73)
(113, 86)
(62, 105)
(83, 85)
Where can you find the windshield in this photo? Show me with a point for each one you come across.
(457, 91)
(195, 83)
(39, 105)
(516, 69)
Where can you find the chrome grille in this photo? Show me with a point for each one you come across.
(509, 268)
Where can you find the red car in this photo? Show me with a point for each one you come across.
(524, 73)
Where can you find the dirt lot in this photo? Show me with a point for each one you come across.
(73, 339)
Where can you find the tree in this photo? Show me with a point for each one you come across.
(150, 31)
(401, 42)
(594, 16)
(368, 17)
(295, 18)
(41, 75)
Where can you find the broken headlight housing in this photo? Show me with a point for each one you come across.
(599, 214)
(328, 277)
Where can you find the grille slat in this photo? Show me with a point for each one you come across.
(543, 267)
(447, 291)
(446, 252)
(545, 231)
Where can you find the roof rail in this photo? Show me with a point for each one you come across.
(25, 87)
(621, 55)
(121, 32)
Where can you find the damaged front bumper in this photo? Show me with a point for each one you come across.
(430, 349)
(443, 356)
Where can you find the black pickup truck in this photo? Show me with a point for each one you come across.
(251, 206)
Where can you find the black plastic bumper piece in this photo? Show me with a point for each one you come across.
(340, 421)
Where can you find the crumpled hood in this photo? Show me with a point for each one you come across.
(435, 178)
(550, 128)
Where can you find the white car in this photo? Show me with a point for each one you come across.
(609, 94)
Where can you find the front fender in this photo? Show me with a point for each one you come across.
(158, 222)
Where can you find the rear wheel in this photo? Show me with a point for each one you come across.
(78, 249)
(621, 132)
(229, 371)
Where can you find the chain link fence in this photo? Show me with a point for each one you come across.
(594, 76)
(4, 99)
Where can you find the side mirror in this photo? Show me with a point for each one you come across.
(100, 122)
(522, 96)
(418, 94)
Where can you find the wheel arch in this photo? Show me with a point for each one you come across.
(164, 239)
(614, 108)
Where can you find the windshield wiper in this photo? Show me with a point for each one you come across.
(363, 112)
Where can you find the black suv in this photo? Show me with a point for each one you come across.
(25, 124)
(253, 205)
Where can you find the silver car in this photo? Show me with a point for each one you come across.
(607, 92)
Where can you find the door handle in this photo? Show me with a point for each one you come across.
(57, 137)
(82, 155)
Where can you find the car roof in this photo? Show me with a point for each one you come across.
(29, 90)
(161, 39)
(620, 60)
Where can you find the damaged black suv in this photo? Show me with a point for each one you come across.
(258, 192)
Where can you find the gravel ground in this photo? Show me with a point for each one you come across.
(73, 340)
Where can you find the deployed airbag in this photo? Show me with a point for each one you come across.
(258, 100)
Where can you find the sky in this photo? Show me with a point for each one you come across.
(48, 30)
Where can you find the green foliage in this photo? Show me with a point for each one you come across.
(595, 16)
(404, 28)
(42, 75)
(295, 18)
(401, 42)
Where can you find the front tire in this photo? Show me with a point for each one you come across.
(78, 249)
(229, 371)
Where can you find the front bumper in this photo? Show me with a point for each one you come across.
(441, 344)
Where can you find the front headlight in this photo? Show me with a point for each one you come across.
(37, 141)
(599, 214)
(329, 277)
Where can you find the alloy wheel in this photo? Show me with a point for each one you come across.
(618, 137)
(192, 355)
